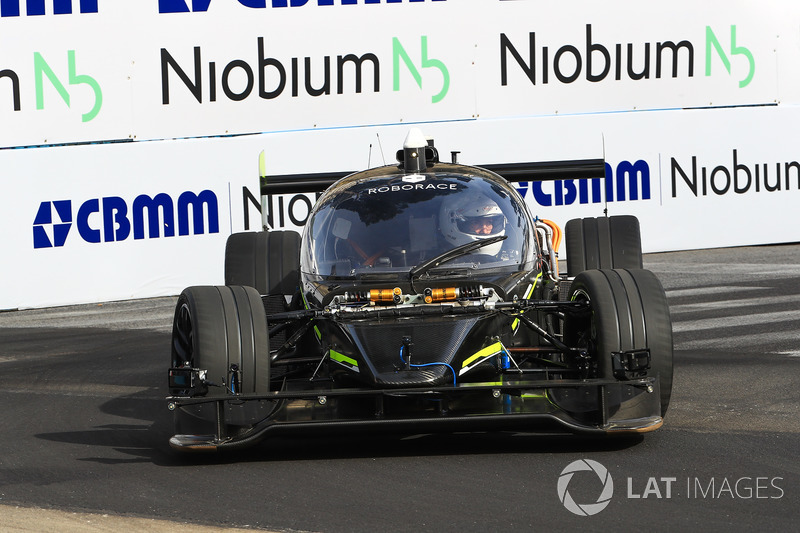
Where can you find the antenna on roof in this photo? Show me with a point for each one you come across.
(605, 195)
(378, 135)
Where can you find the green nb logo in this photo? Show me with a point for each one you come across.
(42, 69)
(399, 53)
(712, 41)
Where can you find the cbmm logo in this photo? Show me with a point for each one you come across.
(44, 221)
(628, 180)
(11, 8)
(150, 217)
(182, 6)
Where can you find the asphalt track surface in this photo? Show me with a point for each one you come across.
(85, 429)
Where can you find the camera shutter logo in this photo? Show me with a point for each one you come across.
(585, 509)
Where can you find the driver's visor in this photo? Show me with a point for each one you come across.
(482, 225)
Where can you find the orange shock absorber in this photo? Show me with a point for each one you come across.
(386, 295)
(440, 295)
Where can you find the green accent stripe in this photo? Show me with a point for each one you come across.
(528, 294)
(343, 359)
(317, 332)
(485, 352)
(480, 356)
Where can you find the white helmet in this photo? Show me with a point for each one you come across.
(469, 219)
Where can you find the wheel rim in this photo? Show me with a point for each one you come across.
(182, 338)
(584, 331)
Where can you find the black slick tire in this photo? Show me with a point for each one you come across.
(216, 327)
(269, 261)
(628, 312)
(213, 329)
(602, 243)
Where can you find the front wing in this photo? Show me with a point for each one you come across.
(600, 406)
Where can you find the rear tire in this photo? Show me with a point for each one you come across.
(266, 260)
(628, 312)
(601, 243)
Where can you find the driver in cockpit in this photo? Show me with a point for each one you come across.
(463, 220)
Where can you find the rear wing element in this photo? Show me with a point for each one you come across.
(299, 183)
(550, 170)
(513, 172)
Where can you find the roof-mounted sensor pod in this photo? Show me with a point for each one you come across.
(418, 152)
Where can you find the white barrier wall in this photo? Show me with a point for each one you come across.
(701, 179)
(115, 221)
(217, 67)
(130, 130)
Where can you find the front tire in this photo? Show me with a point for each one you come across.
(216, 327)
(213, 329)
(628, 312)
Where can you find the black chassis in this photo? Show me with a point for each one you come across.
(531, 359)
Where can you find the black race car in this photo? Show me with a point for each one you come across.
(423, 296)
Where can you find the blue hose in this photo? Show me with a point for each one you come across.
(429, 364)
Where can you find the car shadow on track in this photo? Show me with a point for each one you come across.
(350, 446)
(148, 442)
(118, 443)
(135, 427)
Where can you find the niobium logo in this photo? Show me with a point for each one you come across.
(597, 61)
(43, 70)
(399, 53)
(585, 509)
(271, 77)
